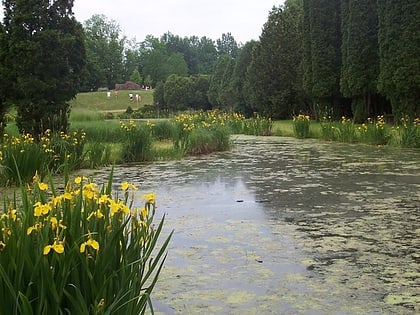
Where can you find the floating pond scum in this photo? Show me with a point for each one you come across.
(288, 226)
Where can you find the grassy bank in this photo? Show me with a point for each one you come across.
(99, 102)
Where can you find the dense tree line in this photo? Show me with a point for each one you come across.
(345, 57)
(348, 58)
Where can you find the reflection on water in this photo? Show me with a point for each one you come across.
(287, 226)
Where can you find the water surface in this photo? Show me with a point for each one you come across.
(287, 226)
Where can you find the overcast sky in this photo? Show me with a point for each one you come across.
(244, 19)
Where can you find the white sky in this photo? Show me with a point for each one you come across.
(244, 19)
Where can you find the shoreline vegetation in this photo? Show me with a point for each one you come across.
(75, 228)
(106, 130)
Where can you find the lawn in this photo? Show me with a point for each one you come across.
(99, 101)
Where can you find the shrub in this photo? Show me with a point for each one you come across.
(82, 251)
(301, 126)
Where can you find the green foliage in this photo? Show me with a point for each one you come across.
(227, 45)
(242, 84)
(274, 73)
(410, 132)
(203, 132)
(375, 131)
(136, 77)
(98, 131)
(399, 51)
(44, 79)
(177, 92)
(23, 156)
(206, 140)
(322, 48)
(137, 142)
(163, 130)
(217, 79)
(84, 250)
(258, 126)
(98, 154)
(104, 48)
(301, 125)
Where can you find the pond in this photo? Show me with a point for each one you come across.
(286, 226)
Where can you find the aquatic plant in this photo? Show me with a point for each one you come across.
(203, 132)
(346, 130)
(137, 142)
(374, 131)
(258, 126)
(79, 250)
(301, 125)
(410, 132)
(51, 153)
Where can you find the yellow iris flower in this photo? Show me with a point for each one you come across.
(90, 242)
(58, 247)
(42, 186)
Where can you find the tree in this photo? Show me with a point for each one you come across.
(240, 83)
(206, 54)
(175, 64)
(216, 79)
(4, 82)
(136, 77)
(132, 58)
(199, 89)
(45, 60)
(177, 92)
(226, 97)
(322, 53)
(399, 51)
(105, 51)
(227, 45)
(274, 74)
(154, 57)
(360, 59)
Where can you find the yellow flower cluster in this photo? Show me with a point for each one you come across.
(302, 117)
(208, 119)
(128, 126)
(405, 121)
(50, 214)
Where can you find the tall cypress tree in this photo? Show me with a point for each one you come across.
(399, 50)
(360, 60)
(275, 67)
(322, 52)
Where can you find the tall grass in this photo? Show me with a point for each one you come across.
(84, 250)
